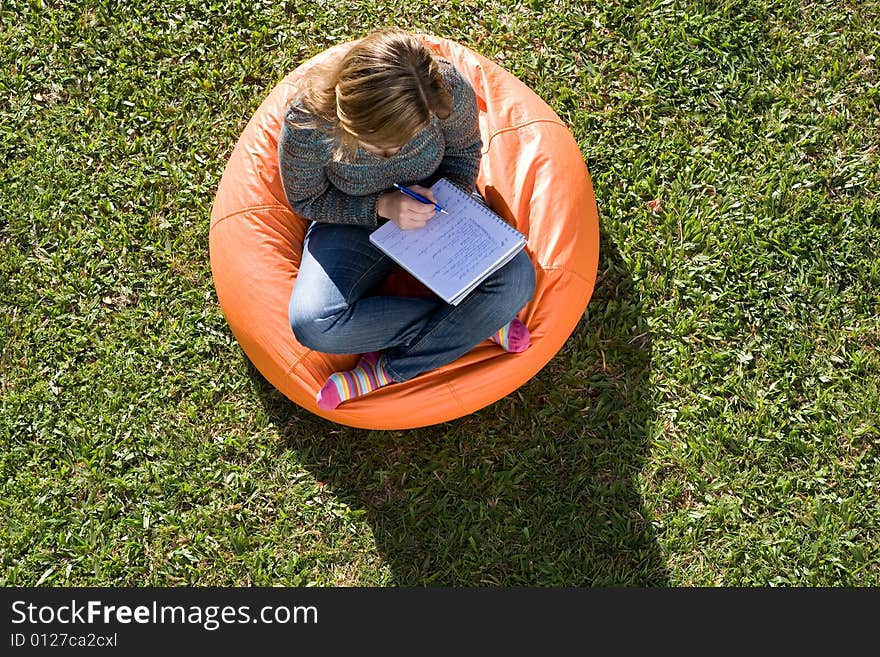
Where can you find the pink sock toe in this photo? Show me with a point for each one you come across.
(328, 396)
(518, 338)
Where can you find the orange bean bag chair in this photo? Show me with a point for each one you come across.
(532, 173)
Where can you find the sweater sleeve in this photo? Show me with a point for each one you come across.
(302, 162)
(461, 161)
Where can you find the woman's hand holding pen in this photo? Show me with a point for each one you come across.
(404, 211)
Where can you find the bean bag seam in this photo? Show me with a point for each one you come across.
(273, 206)
(517, 127)
(451, 389)
(565, 270)
(297, 362)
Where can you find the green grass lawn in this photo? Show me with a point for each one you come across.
(713, 419)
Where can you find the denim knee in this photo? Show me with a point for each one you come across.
(516, 282)
(312, 326)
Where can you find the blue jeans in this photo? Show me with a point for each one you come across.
(333, 308)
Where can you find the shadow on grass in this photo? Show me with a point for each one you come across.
(538, 489)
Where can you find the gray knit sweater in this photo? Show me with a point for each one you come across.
(321, 189)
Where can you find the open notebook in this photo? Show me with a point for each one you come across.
(453, 253)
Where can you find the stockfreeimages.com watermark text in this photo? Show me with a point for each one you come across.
(210, 617)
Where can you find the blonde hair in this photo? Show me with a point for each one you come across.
(384, 90)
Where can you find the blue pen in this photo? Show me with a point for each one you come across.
(419, 197)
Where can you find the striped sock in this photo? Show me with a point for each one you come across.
(512, 337)
(367, 376)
